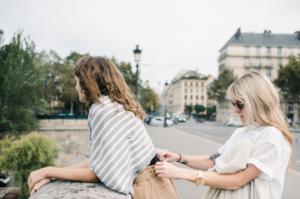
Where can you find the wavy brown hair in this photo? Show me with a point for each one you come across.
(99, 76)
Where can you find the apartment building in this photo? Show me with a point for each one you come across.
(187, 88)
(264, 51)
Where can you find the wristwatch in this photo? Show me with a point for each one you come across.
(200, 179)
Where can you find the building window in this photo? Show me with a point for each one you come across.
(269, 72)
(257, 50)
(257, 62)
(202, 84)
(290, 52)
(247, 61)
(279, 61)
(196, 103)
(258, 69)
(202, 97)
(191, 97)
(279, 50)
(196, 97)
(191, 90)
(269, 50)
(185, 97)
(196, 83)
(246, 70)
(191, 83)
(191, 103)
(185, 90)
(185, 84)
(247, 50)
(202, 90)
(197, 90)
(185, 103)
(268, 61)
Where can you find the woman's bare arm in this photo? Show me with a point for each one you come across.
(224, 181)
(81, 165)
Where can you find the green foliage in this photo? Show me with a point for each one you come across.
(220, 85)
(199, 108)
(27, 154)
(288, 80)
(20, 84)
(188, 109)
(147, 98)
(74, 56)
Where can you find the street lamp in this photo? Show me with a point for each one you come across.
(137, 58)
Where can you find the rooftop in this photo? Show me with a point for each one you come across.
(266, 38)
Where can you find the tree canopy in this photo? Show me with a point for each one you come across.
(220, 85)
(199, 108)
(288, 80)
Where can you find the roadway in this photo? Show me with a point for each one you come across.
(193, 138)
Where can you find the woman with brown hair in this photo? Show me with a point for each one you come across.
(122, 154)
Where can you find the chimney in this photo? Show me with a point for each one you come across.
(265, 32)
(239, 34)
(269, 32)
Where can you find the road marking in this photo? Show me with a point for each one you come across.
(207, 135)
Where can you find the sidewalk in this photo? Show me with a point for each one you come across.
(182, 142)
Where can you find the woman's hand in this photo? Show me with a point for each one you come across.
(38, 185)
(167, 170)
(169, 157)
(35, 177)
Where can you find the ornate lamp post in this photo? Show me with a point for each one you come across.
(137, 58)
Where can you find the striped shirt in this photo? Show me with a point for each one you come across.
(120, 145)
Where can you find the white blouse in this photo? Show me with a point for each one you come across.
(271, 153)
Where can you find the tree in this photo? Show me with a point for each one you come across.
(188, 109)
(220, 85)
(199, 108)
(148, 98)
(20, 84)
(288, 80)
(27, 154)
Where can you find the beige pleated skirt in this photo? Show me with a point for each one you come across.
(148, 186)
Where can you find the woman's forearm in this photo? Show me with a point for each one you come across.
(81, 165)
(222, 181)
(197, 162)
(73, 174)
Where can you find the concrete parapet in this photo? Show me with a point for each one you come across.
(69, 190)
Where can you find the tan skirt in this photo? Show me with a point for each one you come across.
(148, 186)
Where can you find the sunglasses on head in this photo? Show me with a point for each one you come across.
(238, 104)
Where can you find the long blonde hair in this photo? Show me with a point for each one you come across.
(262, 104)
(100, 76)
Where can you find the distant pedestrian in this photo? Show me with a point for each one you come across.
(122, 153)
(268, 149)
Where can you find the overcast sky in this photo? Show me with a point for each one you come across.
(174, 35)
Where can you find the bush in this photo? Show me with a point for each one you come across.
(27, 154)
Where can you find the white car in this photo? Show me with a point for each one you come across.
(159, 121)
(234, 122)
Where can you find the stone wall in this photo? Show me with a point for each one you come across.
(61, 189)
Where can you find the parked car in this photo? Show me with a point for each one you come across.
(4, 179)
(234, 122)
(182, 119)
(159, 121)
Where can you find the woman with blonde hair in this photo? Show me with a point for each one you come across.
(256, 101)
(122, 154)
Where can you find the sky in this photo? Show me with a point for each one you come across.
(174, 35)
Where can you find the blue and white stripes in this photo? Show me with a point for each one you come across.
(120, 145)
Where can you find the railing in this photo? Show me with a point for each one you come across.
(69, 189)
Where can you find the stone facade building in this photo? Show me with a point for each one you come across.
(187, 88)
(257, 51)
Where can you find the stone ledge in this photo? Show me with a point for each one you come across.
(59, 189)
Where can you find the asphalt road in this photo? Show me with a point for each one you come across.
(198, 139)
(220, 133)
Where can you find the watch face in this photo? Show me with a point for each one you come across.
(199, 181)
